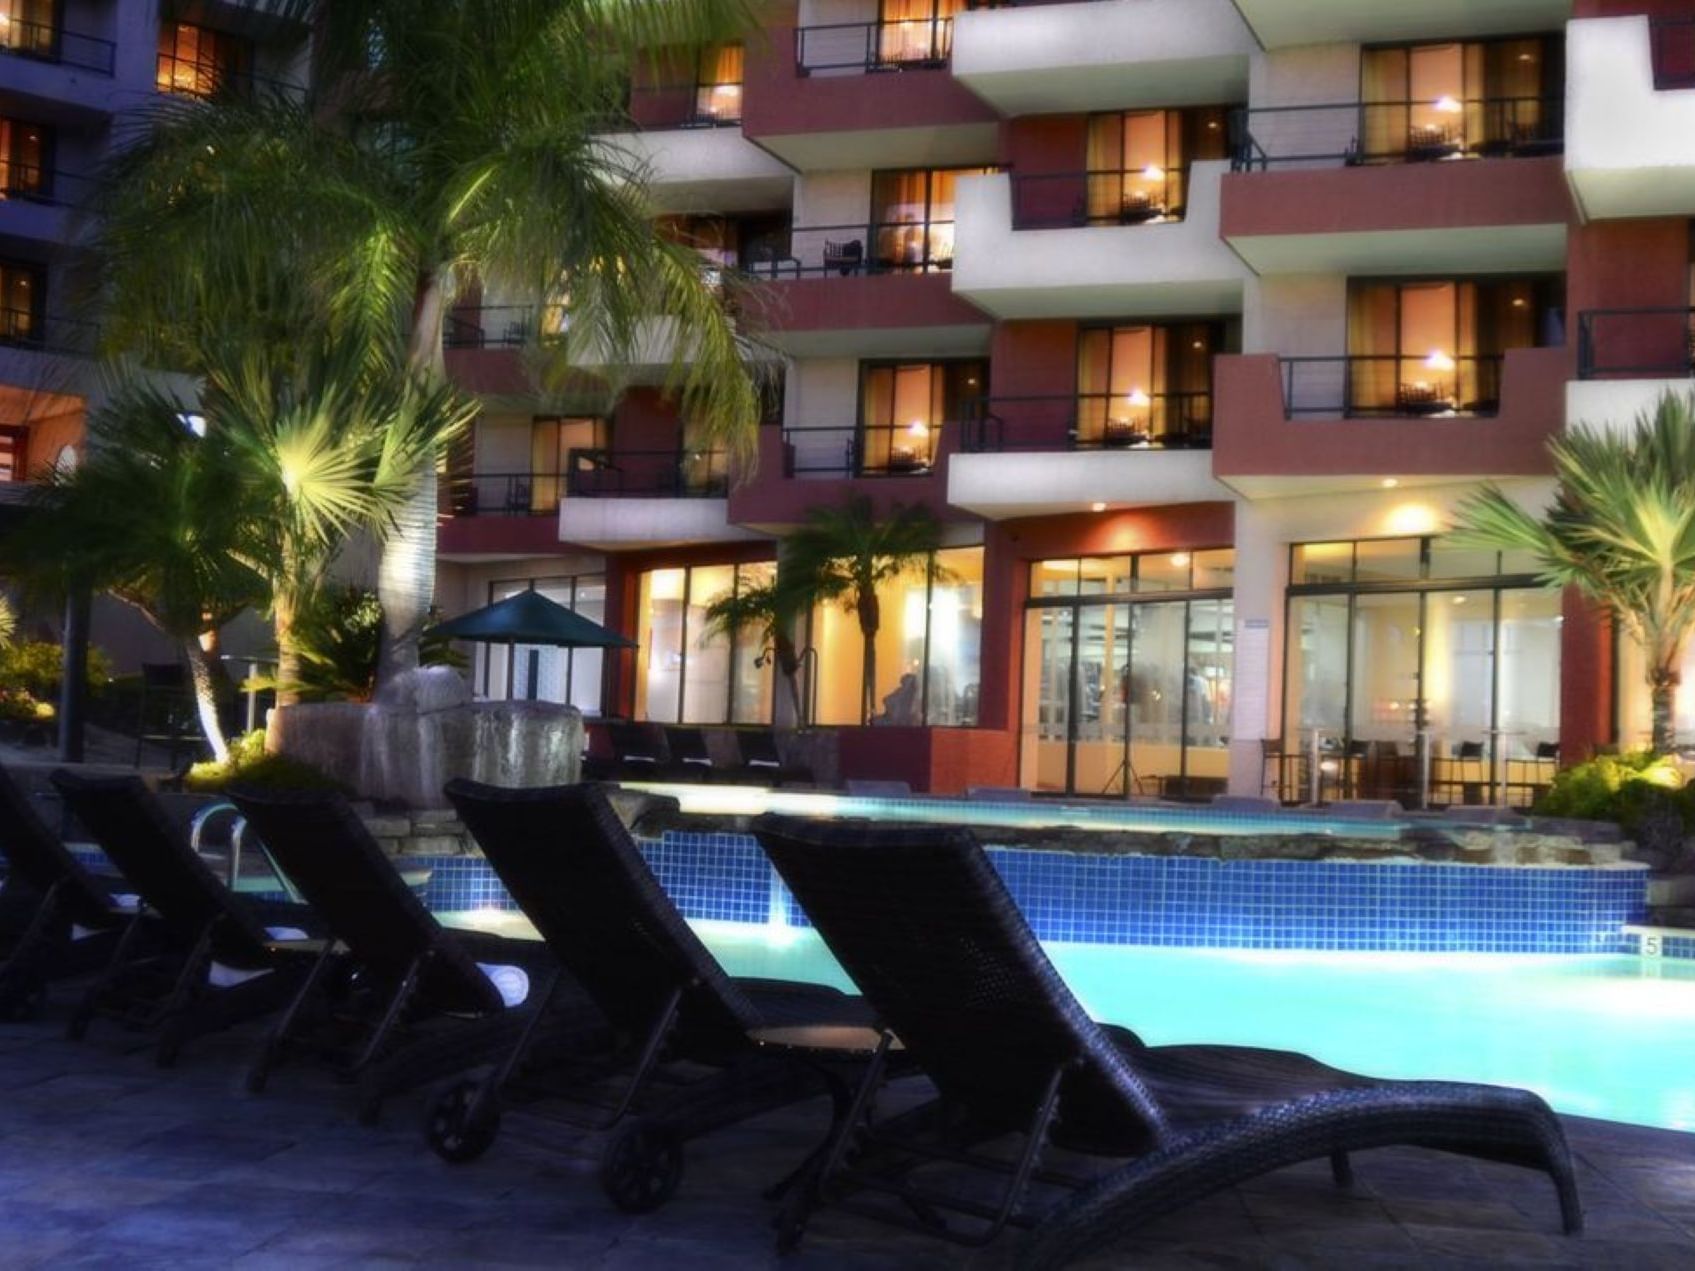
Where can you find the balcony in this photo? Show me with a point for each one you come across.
(38, 203)
(1631, 85)
(1103, 55)
(55, 45)
(1470, 187)
(490, 515)
(864, 95)
(1135, 451)
(1627, 359)
(691, 146)
(1284, 23)
(1029, 248)
(801, 466)
(864, 291)
(1311, 425)
(45, 432)
(619, 499)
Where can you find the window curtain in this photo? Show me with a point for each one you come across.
(1105, 164)
(23, 158)
(718, 83)
(31, 25)
(1373, 343)
(915, 30)
(1384, 94)
(551, 444)
(704, 466)
(20, 301)
(899, 210)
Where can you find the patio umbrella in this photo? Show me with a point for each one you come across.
(528, 618)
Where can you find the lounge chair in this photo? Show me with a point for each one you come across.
(56, 918)
(574, 870)
(921, 921)
(196, 958)
(690, 760)
(763, 763)
(394, 997)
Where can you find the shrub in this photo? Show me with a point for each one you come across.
(249, 764)
(1627, 789)
(36, 667)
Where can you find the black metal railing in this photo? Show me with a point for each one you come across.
(688, 473)
(1366, 133)
(688, 105)
(900, 44)
(863, 450)
(1091, 421)
(501, 326)
(47, 42)
(1391, 387)
(29, 183)
(1101, 196)
(828, 251)
(1635, 343)
(198, 77)
(505, 494)
(1672, 41)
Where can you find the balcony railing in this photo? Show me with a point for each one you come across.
(661, 474)
(1673, 43)
(28, 329)
(504, 494)
(863, 450)
(1389, 387)
(1635, 343)
(901, 44)
(1367, 133)
(830, 251)
(1091, 421)
(48, 43)
(1102, 196)
(501, 326)
(28, 183)
(688, 105)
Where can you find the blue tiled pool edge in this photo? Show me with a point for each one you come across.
(1196, 902)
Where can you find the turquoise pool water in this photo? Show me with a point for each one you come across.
(1610, 1037)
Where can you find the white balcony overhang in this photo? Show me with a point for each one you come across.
(1613, 406)
(706, 170)
(1001, 487)
(1283, 23)
(1095, 271)
(1103, 55)
(613, 523)
(1630, 149)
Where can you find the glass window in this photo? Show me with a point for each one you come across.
(953, 679)
(1138, 162)
(1045, 749)
(555, 448)
(22, 299)
(1163, 571)
(912, 216)
(706, 678)
(904, 408)
(1322, 563)
(1215, 570)
(718, 84)
(24, 163)
(1387, 560)
(659, 632)
(1451, 100)
(690, 675)
(1448, 561)
(915, 32)
(31, 26)
(541, 672)
(1146, 385)
(199, 61)
(1054, 578)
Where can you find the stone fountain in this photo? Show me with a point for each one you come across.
(424, 729)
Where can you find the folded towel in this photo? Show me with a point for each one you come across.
(511, 982)
(286, 933)
(227, 977)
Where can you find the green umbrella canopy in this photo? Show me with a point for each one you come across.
(529, 618)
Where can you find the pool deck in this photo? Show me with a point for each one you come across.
(107, 1161)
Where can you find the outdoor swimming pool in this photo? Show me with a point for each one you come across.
(1596, 1036)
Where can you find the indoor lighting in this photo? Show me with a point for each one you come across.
(1438, 361)
(1448, 105)
(1137, 398)
(1153, 172)
(1389, 483)
(1097, 507)
(1519, 302)
(918, 428)
(1179, 560)
(1459, 600)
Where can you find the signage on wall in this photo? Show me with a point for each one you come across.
(1253, 678)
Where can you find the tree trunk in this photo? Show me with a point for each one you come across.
(203, 679)
(1662, 690)
(288, 650)
(788, 664)
(406, 576)
(870, 620)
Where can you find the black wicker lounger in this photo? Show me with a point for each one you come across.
(921, 921)
(196, 959)
(406, 1000)
(56, 919)
(574, 870)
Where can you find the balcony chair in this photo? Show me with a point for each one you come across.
(1467, 759)
(844, 257)
(680, 1059)
(927, 929)
(196, 958)
(394, 999)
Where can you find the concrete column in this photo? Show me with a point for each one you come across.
(1262, 574)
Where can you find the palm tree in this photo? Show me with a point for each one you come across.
(440, 147)
(150, 516)
(1621, 530)
(771, 613)
(843, 554)
(327, 447)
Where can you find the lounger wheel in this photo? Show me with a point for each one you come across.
(460, 1124)
(24, 1005)
(641, 1166)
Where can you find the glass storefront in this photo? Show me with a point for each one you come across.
(1128, 668)
(542, 673)
(1398, 645)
